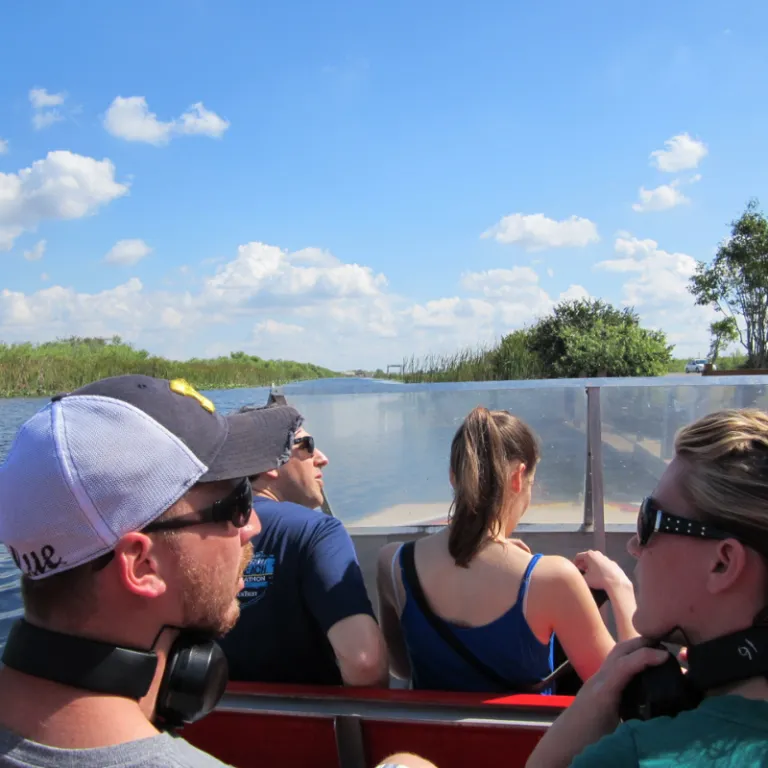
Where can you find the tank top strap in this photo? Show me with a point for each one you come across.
(526, 579)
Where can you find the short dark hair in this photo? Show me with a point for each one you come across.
(72, 591)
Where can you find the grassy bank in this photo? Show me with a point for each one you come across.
(28, 370)
(509, 361)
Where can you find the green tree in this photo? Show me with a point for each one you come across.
(724, 332)
(736, 282)
(592, 338)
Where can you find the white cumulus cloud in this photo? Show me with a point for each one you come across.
(3, 146)
(661, 198)
(129, 118)
(36, 253)
(40, 98)
(446, 313)
(126, 253)
(261, 269)
(199, 121)
(42, 120)
(516, 295)
(44, 107)
(276, 328)
(681, 153)
(536, 232)
(656, 285)
(172, 318)
(63, 185)
(58, 307)
(499, 283)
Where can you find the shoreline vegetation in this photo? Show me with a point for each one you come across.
(580, 338)
(476, 364)
(39, 370)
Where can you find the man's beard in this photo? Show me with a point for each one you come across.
(210, 605)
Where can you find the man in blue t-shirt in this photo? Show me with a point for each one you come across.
(305, 614)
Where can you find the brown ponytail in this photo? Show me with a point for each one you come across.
(482, 451)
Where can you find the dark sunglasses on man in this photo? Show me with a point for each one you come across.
(307, 443)
(234, 508)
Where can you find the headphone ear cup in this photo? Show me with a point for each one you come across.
(195, 679)
(658, 691)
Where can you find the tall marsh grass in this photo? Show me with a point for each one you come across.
(28, 370)
(509, 360)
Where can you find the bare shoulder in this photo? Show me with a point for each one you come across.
(556, 570)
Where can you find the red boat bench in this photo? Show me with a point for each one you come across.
(280, 726)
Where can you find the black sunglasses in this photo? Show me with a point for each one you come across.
(652, 519)
(234, 508)
(307, 443)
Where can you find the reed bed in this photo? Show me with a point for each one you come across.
(28, 370)
(508, 360)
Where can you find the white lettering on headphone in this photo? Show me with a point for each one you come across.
(744, 651)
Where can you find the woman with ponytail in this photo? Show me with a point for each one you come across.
(468, 608)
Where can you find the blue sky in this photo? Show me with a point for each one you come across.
(349, 182)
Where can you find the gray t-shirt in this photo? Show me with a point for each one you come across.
(163, 751)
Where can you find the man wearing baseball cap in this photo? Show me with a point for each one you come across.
(126, 506)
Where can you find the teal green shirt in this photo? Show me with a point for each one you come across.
(722, 732)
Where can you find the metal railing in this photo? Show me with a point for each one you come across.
(664, 409)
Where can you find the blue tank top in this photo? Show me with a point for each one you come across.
(507, 645)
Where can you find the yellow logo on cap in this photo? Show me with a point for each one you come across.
(183, 387)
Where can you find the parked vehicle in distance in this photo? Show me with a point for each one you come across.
(697, 366)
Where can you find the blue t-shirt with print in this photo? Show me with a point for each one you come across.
(304, 577)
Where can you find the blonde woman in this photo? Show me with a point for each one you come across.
(702, 574)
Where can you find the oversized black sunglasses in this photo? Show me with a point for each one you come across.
(307, 443)
(652, 519)
(234, 508)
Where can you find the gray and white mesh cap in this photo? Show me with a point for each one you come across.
(109, 458)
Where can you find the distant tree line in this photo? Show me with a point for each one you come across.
(66, 364)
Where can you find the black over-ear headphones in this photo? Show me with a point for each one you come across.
(667, 690)
(193, 683)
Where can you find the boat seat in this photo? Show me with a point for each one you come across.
(277, 726)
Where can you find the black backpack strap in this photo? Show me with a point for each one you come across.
(409, 571)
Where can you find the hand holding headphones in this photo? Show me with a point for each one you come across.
(602, 693)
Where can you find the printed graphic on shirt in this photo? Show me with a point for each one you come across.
(257, 577)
